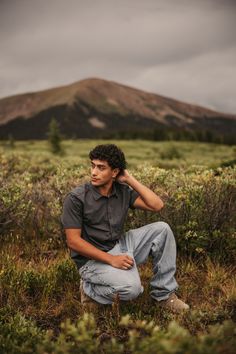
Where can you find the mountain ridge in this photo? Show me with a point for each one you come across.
(105, 107)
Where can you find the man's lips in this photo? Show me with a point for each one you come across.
(94, 179)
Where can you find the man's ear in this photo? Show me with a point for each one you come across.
(116, 172)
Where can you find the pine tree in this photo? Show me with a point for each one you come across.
(11, 141)
(54, 137)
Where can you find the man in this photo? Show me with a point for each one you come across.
(93, 216)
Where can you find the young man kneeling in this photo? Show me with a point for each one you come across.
(93, 216)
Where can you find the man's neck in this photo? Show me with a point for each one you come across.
(106, 189)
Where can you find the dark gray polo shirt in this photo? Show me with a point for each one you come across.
(100, 218)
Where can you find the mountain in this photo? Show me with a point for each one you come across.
(95, 108)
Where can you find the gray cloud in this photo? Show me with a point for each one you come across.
(178, 48)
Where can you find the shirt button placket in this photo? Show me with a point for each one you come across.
(109, 215)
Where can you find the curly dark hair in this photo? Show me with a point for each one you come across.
(110, 153)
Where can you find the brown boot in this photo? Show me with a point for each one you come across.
(174, 304)
(88, 304)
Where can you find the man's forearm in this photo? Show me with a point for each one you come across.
(86, 249)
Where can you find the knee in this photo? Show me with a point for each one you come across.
(165, 229)
(162, 225)
(158, 226)
(130, 291)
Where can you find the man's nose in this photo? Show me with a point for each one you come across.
(94, 171)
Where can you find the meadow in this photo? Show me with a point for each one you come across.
(40, 309)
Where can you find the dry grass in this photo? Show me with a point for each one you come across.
(47, 290)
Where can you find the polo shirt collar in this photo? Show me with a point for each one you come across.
(96, 193)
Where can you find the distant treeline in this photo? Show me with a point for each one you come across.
(159, 134)
(169, 134)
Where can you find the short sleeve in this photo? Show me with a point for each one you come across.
(133, 196)
(71, 217)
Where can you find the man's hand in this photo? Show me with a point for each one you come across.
(147, 199)
(122, 261)
(123, 178)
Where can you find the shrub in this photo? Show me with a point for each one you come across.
(171, 152)
(19, 335)
(199, 205)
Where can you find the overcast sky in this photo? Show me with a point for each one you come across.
(184, 49)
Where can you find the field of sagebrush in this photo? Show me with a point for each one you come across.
(40, 309)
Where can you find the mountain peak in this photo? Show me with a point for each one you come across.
(95, 107)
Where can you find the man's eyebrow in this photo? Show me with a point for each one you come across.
(99, 165)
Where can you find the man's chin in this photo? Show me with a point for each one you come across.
(95, 182)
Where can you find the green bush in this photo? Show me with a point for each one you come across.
(171, 153)
(19, 285)
(19, 335)
(199, 205)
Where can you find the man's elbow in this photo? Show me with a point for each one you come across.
(159, 206)
(72, 243)
(69, 243)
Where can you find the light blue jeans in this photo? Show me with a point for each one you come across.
(102, 282)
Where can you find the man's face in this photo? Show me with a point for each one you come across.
(102, 173)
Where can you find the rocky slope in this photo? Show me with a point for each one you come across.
(96, 108)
